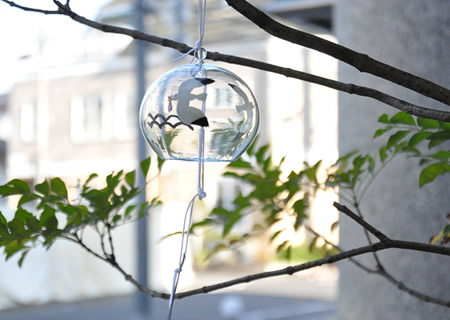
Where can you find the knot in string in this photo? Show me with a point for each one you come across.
(201, 194)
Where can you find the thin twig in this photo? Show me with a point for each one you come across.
(377, 233)
(111, 243)
(369, 240)
(381, 271)
(354, 261)
(29, 9)
(412, 292)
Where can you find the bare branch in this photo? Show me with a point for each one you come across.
(381, 271)
(24, 8)
(377, 233)
(216, 56)
(378, 246)
(360, 61)
(402, 287)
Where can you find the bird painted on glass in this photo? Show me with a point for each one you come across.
(246, 107)
(186, 113)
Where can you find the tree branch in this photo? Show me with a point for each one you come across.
(381, 271)
(378, 246)
(412, 292)
(377, 233)
(29, 9)
(295, 74)
(360, 61)
(385, 243)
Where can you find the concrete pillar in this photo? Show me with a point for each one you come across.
(412, 35)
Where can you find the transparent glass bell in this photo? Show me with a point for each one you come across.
(199, 103)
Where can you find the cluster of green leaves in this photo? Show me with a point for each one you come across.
(420, 138)
(271, 195)
(45, 213)
(275, 196)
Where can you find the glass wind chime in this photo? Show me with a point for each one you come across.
(198, 112)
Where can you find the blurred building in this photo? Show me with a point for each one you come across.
(74, 112)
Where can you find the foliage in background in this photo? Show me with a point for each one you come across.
(45, 212)
(276, 196)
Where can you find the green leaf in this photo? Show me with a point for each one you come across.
(261, 153)
(440, 135)
(403, 118)
(334, 225)
(46, 214)
(51, 224)
(417, 138)
(16, 226)
(58, 187)
(434, 143)
(381, 131)
(128, 210)
(3, 219)
(281, 247)
(143, 209)
(6, 191)
(19, 185)
(230, 221)
(33, 224)
(22, 257)
(299, 207)
(116, 218)
(160, 163)
(396, 138)
(22, 215)
(90, 178)
(4, 233)
(12, 248)
(371, 161)
(430, 172)
(444, 125)
(384, 118)
(441, 155)
(252, 147)
(312, 245)
(130, 178)
(145, 166)
(27, 198)
(383, 153)
(276, 234)
(239, 163)
(43, 188)
(427, 123)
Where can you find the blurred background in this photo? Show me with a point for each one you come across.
(68, 107)
(69, 98)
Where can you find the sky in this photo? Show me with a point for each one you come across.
(20, 31)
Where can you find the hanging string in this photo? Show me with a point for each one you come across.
(199, 51)
(200, 55)
(201, 194)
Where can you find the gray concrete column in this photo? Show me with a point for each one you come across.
(413, 35)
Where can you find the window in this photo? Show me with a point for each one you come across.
(28, 122)
(125, 117)
(90, 119)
